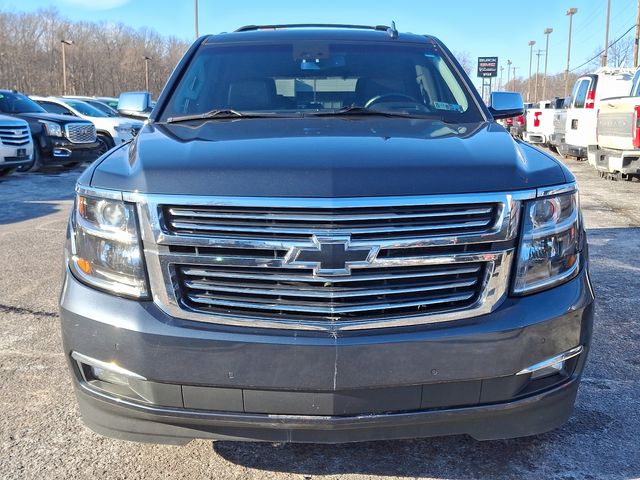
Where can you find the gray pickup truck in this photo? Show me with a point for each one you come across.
(322, 235)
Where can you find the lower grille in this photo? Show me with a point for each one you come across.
(80, 132)
(15, 136)
(297, 294)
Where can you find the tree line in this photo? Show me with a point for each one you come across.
(103, 59)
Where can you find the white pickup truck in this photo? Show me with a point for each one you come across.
(539, 121)
(586, 98)
(617, 153)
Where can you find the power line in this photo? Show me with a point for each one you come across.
(602, 51)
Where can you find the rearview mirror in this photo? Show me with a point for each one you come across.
(135, 104)
(506, 104)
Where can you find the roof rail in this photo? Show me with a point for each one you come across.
(249, 28)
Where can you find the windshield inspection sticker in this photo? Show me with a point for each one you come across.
(447, 106)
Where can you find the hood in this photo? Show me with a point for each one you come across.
(52, 117)
(325, 157)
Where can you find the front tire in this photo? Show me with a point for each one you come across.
(6, 171)
(106, 143)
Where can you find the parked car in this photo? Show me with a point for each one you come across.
(539, 122)
(557, 141)
(588, 91)
(111, 131)
(58, 139)
(16, 145)
(617, 152)
(102, 106)
(109, 101)
(340, 244)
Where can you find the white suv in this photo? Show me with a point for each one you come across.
(112, 131)
(16, 145)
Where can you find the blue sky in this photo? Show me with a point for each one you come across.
(482, 28)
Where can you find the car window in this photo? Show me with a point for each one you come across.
(52, 107)
(580, 93)
(84, 108)
(286, 78)
(107, 110)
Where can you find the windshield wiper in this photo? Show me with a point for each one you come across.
(226, 113)
(356, 111)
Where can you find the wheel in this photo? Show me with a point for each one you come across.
(106, 143)
(6, 171)
(35, 165)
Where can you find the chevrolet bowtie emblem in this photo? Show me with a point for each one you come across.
(331, 255)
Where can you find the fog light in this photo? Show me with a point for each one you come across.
(548, 371)
(109, 376)
(552, 365)
(106, 371)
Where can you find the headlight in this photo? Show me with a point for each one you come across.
(550, 244)
(106, 249)
(52, 129)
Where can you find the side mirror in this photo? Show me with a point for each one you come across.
(135, 104)
(506, 105)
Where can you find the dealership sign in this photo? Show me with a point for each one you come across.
(487, 66)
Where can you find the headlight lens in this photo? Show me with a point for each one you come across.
(52, 129)
(106, 249)
(550, 244)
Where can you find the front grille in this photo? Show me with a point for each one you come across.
(80, 132)
(329, 264)
(15, 136)
(292, 293)
(361, 223)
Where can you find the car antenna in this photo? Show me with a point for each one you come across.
(392, 31)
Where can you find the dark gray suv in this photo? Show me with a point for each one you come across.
(323, 235)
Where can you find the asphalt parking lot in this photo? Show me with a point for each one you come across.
(42, 435)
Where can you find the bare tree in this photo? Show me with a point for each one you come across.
(620, 54)
(104, 59)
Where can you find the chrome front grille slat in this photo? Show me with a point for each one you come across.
(320, 279)
(418, 260)
(328, 311)
(15, 136)
(361, 223)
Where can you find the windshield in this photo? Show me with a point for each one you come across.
(319, 77)
(106, 109)
(84, 108)
(17, 103)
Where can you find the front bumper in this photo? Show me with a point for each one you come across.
(14, 157)
(242, 383)
(59, 151)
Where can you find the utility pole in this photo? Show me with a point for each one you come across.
(571, 12)
(514, 77)
(64, 65)
(605, 56)
(146, 72)
(547, 32)
(637, 39)
(195, 7)
(531, 44)
(500, 82)
(509, 62)
(538, 54)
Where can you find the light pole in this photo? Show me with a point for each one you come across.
(547, 32)
(571, 12)
(146, 72)
(509, 62)
(195, 8)
(531, 44)
(535, 95)
(500, 82)
(514, 77)
(64, 66)
(605, 56)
